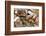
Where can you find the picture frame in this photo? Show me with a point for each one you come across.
(9, 13)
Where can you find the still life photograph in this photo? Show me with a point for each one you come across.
(24, 17)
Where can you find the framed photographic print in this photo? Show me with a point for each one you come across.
(24, 17)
